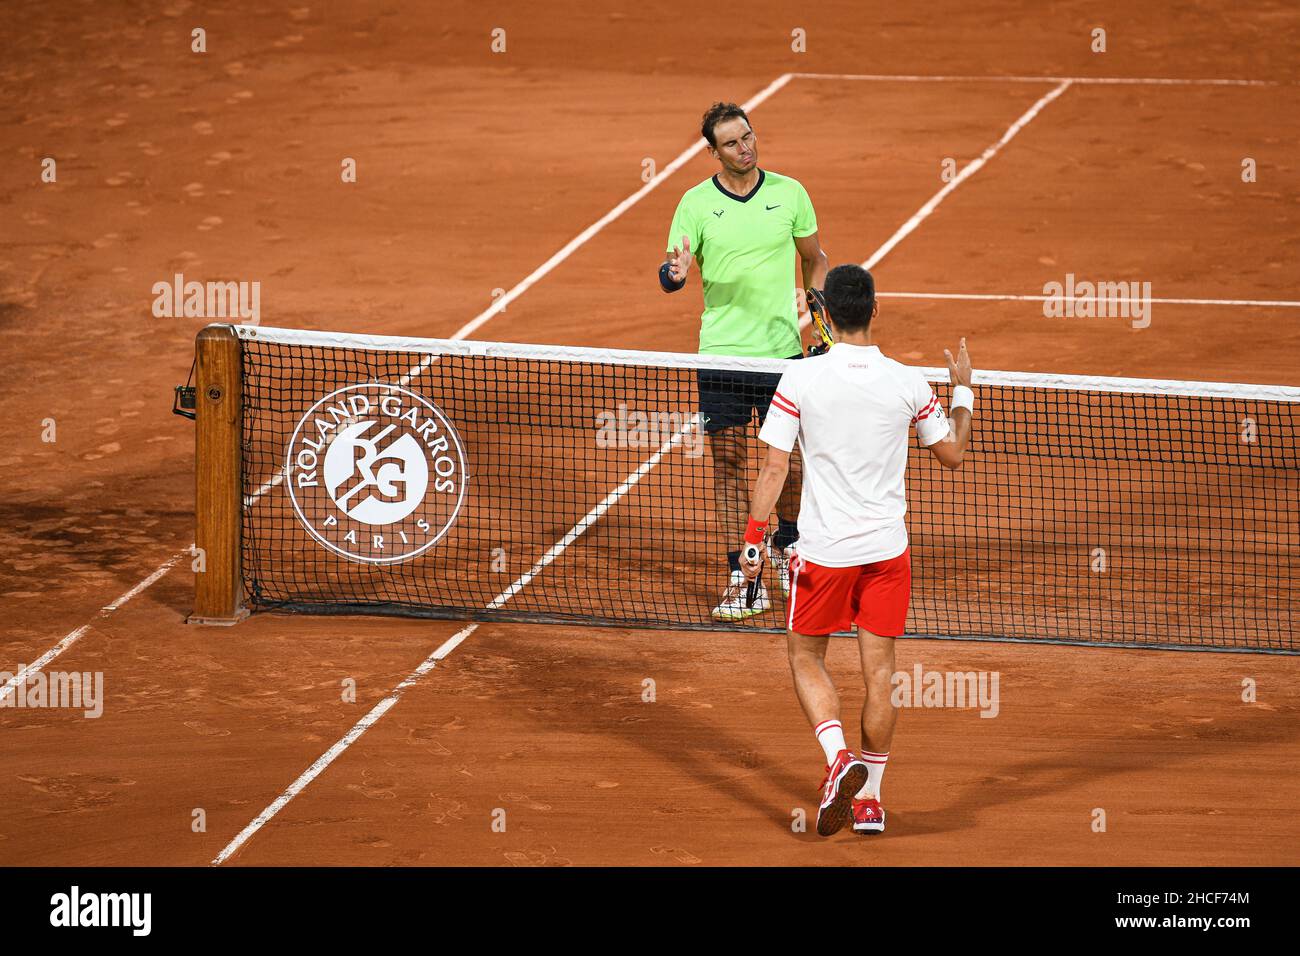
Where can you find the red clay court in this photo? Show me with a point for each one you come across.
(504, 197)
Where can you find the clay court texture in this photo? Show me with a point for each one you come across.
(504, 196)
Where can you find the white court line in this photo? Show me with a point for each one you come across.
(981, 297)
(347, 740)
(969, 170)
(266, 486)
(381, 708)
(546, 267)
(555, 550)
(1098, 80)
(541, 271)
(605, 504)
(73, 636)
(558, 548)
(568, 249)
(578, 529)
(966, 173)
(464, 332)
(594, 514)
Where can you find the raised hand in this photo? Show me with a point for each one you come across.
(680, 259)
(959, 368)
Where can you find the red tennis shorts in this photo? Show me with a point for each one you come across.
(873, 596)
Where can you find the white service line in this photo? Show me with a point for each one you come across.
(604, 505)
(971, 168)
(982, 297)
(1099, 80)
(581, 238)
(966, 173)
(348, 739)
(569, 248)
(73, 636)
(594, 514)
(381, 708)
(266, 486)
(556, 549)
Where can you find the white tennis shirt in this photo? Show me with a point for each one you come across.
(850, 410)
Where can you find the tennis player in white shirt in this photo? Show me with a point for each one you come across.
(850, 410)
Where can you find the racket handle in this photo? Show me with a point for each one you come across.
(751, 589)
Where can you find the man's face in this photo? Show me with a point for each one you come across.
(737, 148)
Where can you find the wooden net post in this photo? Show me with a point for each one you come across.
(218, 588)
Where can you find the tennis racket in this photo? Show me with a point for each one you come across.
(821, 320)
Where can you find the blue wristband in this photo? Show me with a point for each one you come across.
(666, 280)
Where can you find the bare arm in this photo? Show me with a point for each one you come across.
(771, 479)
(813, 263)
(951, 449)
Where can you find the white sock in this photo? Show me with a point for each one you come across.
(830, 734)
(875, 773)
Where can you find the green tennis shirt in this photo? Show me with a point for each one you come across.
(744, 249)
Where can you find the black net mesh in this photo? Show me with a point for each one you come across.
(540, 489)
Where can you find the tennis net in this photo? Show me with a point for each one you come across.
(538, 483)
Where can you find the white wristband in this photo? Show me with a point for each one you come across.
(963, 397)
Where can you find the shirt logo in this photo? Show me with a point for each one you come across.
(770, 208)
(719, 212)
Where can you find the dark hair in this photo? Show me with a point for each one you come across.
(850, 297)
(719, 113)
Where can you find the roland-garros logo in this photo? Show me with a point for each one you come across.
(377, 473)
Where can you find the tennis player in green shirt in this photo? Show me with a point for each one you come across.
(744, 227)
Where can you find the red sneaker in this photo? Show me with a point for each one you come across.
(844, 779)
(868, 817)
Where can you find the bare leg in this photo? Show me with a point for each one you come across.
(729, 449)
(812, 683)
(878, 713)
(821, 703)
